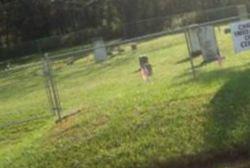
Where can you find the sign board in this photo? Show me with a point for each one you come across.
(241, 35)
(194, 40)
(100, 50)
(208, 43)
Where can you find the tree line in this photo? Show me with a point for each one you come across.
(28, 20)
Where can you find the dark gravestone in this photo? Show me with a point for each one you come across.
(145, 68)
(227, 31)
(134, 46)
(143, 60)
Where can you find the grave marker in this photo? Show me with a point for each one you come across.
(208, 43)
(193, 41)
(134, 46)
(145, 68)
(99, 50)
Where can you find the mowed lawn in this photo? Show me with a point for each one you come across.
(172, 121)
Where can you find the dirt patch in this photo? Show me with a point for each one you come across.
(64, 125)
(71, 128)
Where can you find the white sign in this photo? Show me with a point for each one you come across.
(208, 43)
(241, 35)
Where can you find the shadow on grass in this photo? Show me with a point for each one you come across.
(227, 129)
(209, 76)
(187, 59)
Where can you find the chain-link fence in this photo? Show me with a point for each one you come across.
(73, 70)
(23, 98)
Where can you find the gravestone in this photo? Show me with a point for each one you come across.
(242, 11)
(208, 43)
(194, 42)
(227, 30)
(120, 49)
(8, 65)
(143, 60)
(99, 50)
(133, 46)
(145, 68)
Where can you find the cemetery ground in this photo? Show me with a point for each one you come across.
(172, 121)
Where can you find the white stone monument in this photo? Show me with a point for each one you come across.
(99, 50)
(193, 40)
(242, 11)
(208, 43)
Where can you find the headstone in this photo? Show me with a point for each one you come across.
(208, 43)
(242, 11)
(145, 68)
(143, 60)
(99, 50)
(227, 30)
(8, 65)
(193, 39)
(70, 61)
(134, 46)
(120, 50)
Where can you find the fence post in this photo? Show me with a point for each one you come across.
(190, 54)
(51, 87)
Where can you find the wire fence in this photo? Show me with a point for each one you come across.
(172, 43)
(23, 86)
(23, 98)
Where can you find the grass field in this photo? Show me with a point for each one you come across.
(173, 121)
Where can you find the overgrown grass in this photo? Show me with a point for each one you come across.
(172, 121)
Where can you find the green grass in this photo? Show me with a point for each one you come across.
(124, 122)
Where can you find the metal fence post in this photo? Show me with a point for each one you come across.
(189, 53)
(51, 87)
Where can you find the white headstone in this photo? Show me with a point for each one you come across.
(194, 40)
(100, 50)
(208, 43)
(241, 35)
(242, 11)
